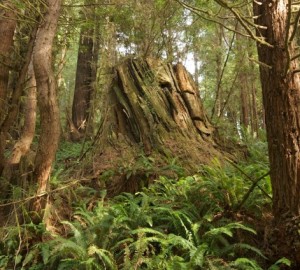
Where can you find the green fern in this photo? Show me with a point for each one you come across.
(105, 256)
(174, 224)
(246, 264)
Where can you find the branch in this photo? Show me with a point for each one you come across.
(222, 73)
(246, 196)
(228, 96)
(287, 41)
(68, 185)
(295, 57)
(296, 71)
(244, 23)
(198, 12)
(260, 63)
(93, 5)
(296, 22)
(247, 176)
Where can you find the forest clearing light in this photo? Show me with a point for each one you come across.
(189, 63)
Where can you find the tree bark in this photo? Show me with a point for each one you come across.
(10, 117)
(152, 112)
(7, 28)
(254, 110)
(47, 103)
(281, 98)
(84, 79)
(28, 132)
(219, 55)
(17, 168)
(242, 80)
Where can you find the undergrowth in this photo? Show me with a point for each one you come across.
(204, 221)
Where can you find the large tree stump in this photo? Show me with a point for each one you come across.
(152, 115)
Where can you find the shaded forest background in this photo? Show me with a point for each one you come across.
(133, 135)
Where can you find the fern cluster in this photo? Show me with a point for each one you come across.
(186, 223)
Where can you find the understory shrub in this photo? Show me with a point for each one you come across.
(189, 223)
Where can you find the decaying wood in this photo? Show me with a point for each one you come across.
(190, 95)
(153, 110)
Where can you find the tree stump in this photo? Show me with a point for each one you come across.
(151, 116)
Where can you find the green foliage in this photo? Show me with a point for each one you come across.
(172, 224)
(186, 223)
(68, 152)
(18, 250)
(225, 187)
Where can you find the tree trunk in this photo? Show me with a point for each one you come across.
(23, 144)
(84, 79)
(7, 29)
(281, 98)
(47, 103)
(244, 116)
(254, 112)
(14, 104)
(152, 114)
(242, 80)
(219, 55)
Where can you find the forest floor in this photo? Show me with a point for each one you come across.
(217, 218)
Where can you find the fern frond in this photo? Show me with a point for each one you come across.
(227, 230)
(78, 234)
(104, 255)
(66, 247)
(242, 246)
(198, 255)
(277, 264)
(86, 215)
(246, 264)
(178, 241)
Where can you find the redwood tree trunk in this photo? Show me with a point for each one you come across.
(281, 98)
(47, 102)
(7, 29)
(216, 110)
(85, 77)
(254, 112)
(242, 80)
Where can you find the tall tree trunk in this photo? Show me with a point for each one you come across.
(14, 104)
(7, 29)
(281, 98)
(242, 80)
(18, 167)
(218, 97)
(254, 113)
(84, 79)
(244, 95)
(23, 145)
(47, 103)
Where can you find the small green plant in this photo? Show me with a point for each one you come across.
(186, 223)
(174, 224)
(18, 250)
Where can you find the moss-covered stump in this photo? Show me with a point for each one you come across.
(152, 115)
